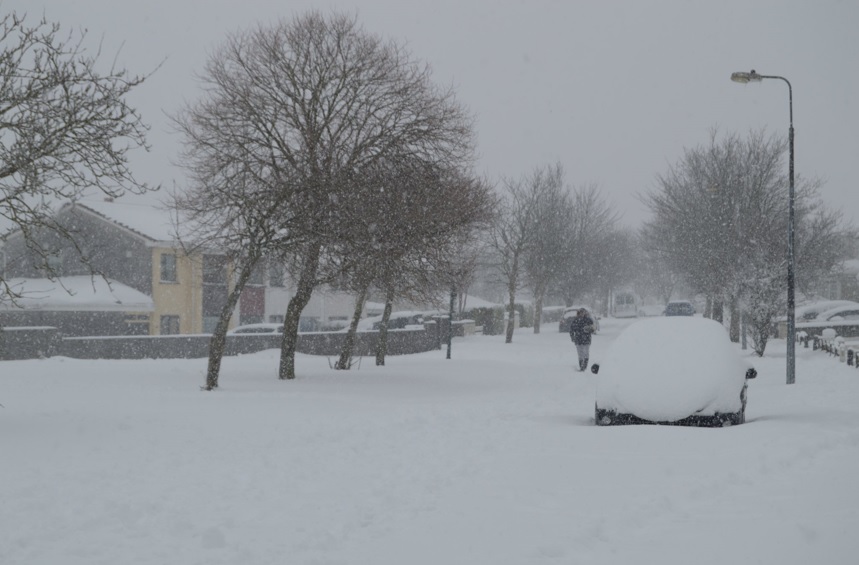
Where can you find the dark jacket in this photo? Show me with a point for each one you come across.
(581, 329)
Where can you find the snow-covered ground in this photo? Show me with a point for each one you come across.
(488, 458)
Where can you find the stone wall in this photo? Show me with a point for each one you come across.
(28, 342)
(31, 343)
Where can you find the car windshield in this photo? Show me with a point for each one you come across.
(846, 315)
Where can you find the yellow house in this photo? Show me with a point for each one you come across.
(134, 244)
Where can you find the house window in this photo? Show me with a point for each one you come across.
(55, 264)
(168, 268)
(214, 269)
(210, 323)
(275, 274)
(275, 318)
(831, 290)
(256, 277)
(169, 325)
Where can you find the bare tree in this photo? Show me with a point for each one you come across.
(398, 237)
(717, 203)
(243, 217)
(544, 259)
(592, 221)
(657, 276)
(618, 263)
(513, 233)
(442, 256)
(65, 128)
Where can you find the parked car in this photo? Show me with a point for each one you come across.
(257, 329)
(675, 371)
(810, 312)
(679, 308)
(845, 313)
(570, 313)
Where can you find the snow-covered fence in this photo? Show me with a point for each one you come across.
(844, 328)
(846, 349)
(849, 353)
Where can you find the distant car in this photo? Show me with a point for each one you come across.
(675, 371)
(679, 308)
(257, 329)
(625, 305)
(570, 313)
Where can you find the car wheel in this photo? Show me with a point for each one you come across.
(734, 419)
(601, 417)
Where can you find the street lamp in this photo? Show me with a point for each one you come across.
(450, 320)
(745, 78)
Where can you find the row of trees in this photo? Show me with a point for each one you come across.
(718, 229)
(557, 241)
(326, 147)
(720, 223)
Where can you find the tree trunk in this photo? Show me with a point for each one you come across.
(735, 320)
(511, 291)
(304, 288)
(219, 337)
(345, 361)
(606, 309)
(718, 310)
(759, 327)
(538, 308)
(708, 308)
(382, 345)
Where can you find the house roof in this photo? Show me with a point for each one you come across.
(851, 267)
(75, 294)
(146, 220)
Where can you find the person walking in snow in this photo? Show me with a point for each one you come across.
(581, 329)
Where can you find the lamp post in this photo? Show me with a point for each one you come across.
(450, 320)
(791, 302)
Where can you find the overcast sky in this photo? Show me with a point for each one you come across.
(613, 90)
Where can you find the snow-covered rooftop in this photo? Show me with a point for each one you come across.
(73, 294)
(151, 221)
(851, 266)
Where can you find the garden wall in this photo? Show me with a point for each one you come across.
(32, 343)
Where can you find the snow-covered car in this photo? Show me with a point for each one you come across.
(810, 312)
(845, 313)
(570, 313)
(673, 370)
(257, 329)
(679, 308)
